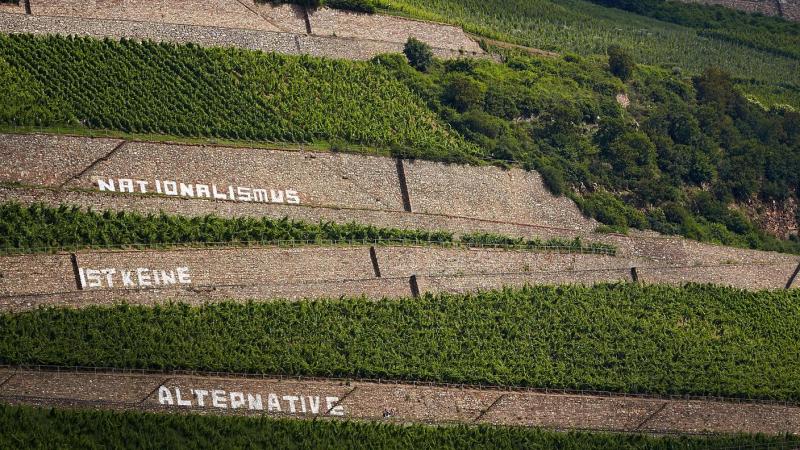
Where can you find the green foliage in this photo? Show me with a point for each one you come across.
(678, 136)
(367, 6)
(38, 227)
(557, 115)
(419, 54)
(37, 428)
(186, 90)
(42, 228)
(620, 62)
(610, 210)
(587, 29)
(575, 245)
(624, 338)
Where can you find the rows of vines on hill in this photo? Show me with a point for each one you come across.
(770, 34)
(26, 427)
(624, 338)
(186, 90)
(584, 28)
(683, 151)
(43, 228)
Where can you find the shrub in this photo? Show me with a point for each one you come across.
(419, 54)
(620, 62)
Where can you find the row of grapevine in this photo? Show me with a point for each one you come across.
(189, 91)
(39, 227)
(696, 339)
(40, 428)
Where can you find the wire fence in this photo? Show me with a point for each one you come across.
(566, 248)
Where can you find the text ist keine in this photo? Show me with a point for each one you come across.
(138, 278)
(199, 190)
(270, 402)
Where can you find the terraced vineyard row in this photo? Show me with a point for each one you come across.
(625, 338)
(238, 94)
(42, 228)
(104, 429)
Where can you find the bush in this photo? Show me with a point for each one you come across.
(620, 62)
(419, 54)
(553, 179)
(464, 92)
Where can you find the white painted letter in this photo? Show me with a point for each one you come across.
(82, 275)
(273, 403)
(201, 396)
(291, 399)
(202, 191)
(184, 276)
(244, 194)
(108, 273)
(93, 276)
(187, 190)
(276, 196)
(142, 186)
(179, 400)
(103, 186)
(218, 399)
(164, 396)
(167, 277)
(143, 276)
(217, 195)
(126, 185)
(237, 400)
(313, 402)
(126, 278)
(292, 197)
(255, 402)
(170, 187)
(337, 410)
(260, 195)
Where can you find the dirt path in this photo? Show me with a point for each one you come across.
(397, 402)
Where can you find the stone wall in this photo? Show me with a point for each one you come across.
(268, 273)
(334, 22)
(490, 193)
(234, 23)
(788, 9)
(210, 13)
(267, 41)
(344, 188)
(369, 400)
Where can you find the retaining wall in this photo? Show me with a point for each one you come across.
(256, 26)
(213, 13)
(351, 399)
(371, 190)
(212, 274)
(264, 273)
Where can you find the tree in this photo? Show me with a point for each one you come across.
(419, 54)
(620, 62)
(463, 92)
